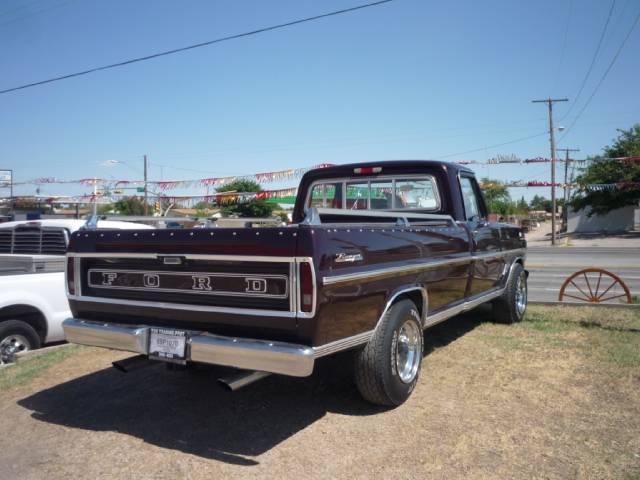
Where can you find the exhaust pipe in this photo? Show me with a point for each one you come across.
(132, 363)
(236, 382)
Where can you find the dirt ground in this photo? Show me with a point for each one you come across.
(555, 397)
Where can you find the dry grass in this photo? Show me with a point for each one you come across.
(31, 367)
(556, 396)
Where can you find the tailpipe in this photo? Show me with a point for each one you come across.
(236, 382)
(132, 363)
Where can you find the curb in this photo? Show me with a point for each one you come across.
(585, 304)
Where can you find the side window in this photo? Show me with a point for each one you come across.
(471, 204)
(326, 195)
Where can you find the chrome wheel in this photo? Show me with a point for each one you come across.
(408, 351)
(11, 345)
(521, 294)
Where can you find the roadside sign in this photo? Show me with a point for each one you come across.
(140, 189)
(5, 178)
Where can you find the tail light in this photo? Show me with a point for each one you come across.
(307, 291)
(71, 281)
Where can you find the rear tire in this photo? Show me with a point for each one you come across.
(512, 305)
(388, 367)
(16, 336)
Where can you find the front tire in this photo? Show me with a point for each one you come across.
(16, 336)
(388, 367)
(511, 306)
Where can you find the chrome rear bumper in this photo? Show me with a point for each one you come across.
(274, 357)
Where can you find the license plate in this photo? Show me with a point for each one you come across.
(167, 344)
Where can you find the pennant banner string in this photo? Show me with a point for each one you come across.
(270, 177)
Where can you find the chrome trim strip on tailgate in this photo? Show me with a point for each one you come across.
(187, 307)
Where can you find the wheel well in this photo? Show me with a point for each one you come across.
(416, 296)
(521, 262)
(27, 314)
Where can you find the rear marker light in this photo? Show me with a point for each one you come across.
(71, 284)
(367, 170)
(306, 287)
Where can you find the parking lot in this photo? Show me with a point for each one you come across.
(553, 397)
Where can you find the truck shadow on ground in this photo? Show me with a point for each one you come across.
(189, 412)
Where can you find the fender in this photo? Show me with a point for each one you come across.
(51, 303)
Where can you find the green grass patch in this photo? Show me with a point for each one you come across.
(29, 368)
(612, 335)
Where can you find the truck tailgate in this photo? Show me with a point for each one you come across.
(230, 281)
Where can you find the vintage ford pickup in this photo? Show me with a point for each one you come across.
(376, 254)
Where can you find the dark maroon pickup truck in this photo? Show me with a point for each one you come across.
(377, 252)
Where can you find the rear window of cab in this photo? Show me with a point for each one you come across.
(418, 192)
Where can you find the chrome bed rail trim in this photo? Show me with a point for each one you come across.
(414, 268)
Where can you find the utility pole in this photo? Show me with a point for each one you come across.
(565, 213)
(146, 206)
(552, 141)
(95, 196)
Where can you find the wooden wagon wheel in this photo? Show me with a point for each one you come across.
(593, 290)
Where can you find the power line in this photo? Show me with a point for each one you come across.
(593, 61)
(604, 76)
(491, 146)
(29, 11)
(564, 44)
(197, 45)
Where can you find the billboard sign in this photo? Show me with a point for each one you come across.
(5, 178)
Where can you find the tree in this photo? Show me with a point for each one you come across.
(538, 203)
(254, 208)
(496, 195)
(602, 171)
(106, 208)
(130, 206)
(522, 207)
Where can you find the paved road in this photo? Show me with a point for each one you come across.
(550, 266)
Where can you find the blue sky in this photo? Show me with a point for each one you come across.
(408, 79)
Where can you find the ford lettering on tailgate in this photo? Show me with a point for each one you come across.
(203, 283)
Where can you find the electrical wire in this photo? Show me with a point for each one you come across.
(564, 46)
(30, 12)
(593, 61)
(491, 146)
(197, 45)
(604, 76)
